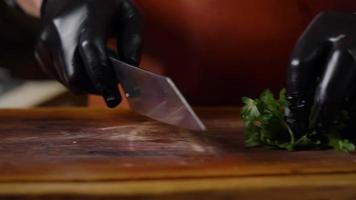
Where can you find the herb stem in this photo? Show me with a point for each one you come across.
(284, 123)
(291, 134)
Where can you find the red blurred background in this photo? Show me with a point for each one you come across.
(220, 50)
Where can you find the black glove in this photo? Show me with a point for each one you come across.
(322, 73)
(73, 43)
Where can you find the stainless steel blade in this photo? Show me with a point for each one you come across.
(156, 96)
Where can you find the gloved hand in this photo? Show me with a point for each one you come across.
(322, 73)
(73, 43)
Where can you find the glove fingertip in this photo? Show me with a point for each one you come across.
(131, 55)
(113, 99)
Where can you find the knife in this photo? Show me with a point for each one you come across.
(155, 96)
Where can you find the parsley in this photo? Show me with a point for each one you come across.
(265, 126)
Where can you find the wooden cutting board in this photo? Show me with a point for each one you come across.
(103, 154)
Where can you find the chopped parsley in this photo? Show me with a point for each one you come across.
(265, 126)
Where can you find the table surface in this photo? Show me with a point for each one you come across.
(105, 154)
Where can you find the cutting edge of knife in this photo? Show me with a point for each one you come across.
(185, 102)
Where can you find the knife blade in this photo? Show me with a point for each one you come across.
(155, 96)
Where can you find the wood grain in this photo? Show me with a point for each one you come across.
(86, 153)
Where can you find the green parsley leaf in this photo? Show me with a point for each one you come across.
(265, 126)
